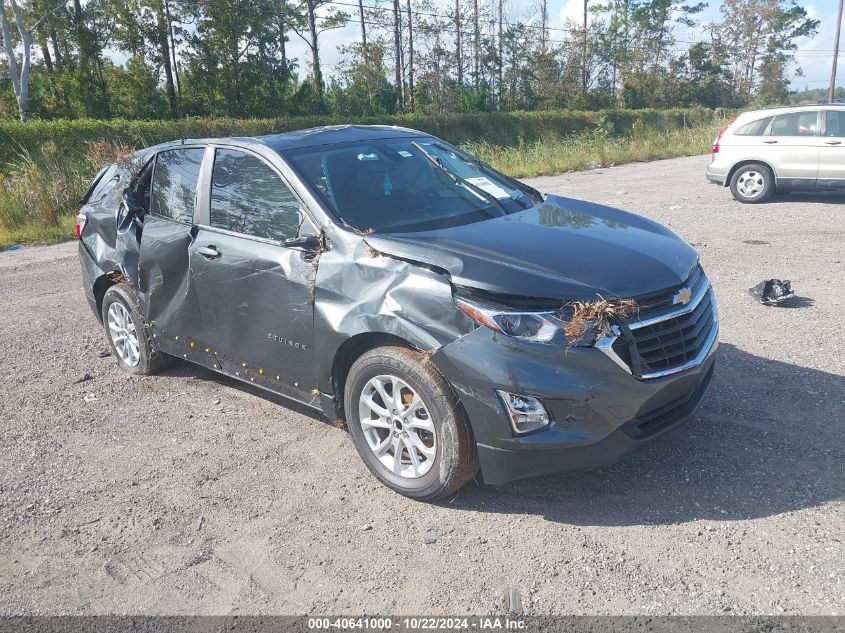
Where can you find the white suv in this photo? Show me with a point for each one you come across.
(783, 149)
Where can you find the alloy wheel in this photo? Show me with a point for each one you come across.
(123, 335)
(397, 426)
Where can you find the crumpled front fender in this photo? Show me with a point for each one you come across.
(359, 290)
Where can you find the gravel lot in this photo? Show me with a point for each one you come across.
(186, 493)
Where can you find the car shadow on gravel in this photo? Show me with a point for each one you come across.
(818, 197)
(186, 369)
(768, 440)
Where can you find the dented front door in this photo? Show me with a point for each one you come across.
(255, 318)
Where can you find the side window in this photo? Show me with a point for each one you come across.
(755, 128)
(103, 183)
(175, 183)
(247, 196)
(141, 189)
(795, 124)
(835, 125)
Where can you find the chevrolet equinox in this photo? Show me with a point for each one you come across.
(391, 280)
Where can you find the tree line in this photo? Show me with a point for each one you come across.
(232, 57)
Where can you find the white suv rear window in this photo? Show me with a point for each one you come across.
(755, 128)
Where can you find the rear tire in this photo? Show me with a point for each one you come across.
(127, 333)
(753, 183)
(397, 402)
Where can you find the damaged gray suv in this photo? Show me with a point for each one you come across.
(455, 318)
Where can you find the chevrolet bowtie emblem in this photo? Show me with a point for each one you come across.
(683, 296)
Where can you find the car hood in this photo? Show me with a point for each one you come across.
(560, 249)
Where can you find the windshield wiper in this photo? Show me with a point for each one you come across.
(532, 193)
(434, 160)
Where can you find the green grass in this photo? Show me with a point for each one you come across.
(34, 233)
(573, 153)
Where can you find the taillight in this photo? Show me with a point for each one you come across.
(719, 135)
(81, 220)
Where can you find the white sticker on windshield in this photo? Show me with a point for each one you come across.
(405, 154)
(485, 184)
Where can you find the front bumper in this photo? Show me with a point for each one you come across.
(502, 465)
(599, 412)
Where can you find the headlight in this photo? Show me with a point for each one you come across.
(530, 326)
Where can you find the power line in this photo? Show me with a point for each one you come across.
(449, 18)
(442, 29)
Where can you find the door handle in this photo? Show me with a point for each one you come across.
(833, 142)
(770, 142)
(209, 252)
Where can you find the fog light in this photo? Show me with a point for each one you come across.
(524, 412)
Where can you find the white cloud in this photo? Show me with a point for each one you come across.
(572, 10)
(815, 55)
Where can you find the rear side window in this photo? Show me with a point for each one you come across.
(755, 128)
(795, 124)
(104, 182)
(247, 196)
(175, 183)
(835, 126)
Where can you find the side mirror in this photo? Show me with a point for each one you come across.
(128, 210)
(305, 242)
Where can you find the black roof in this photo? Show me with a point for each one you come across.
(334, 134)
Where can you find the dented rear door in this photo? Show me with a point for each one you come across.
(255, 317)
(164, 283)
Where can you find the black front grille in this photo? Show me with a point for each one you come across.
(666, 415)
(672, 341)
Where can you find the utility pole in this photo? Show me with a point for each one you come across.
(544, 22)
(501, 52)
(476, 45)
(835, 53)
(410, 57)
(584, 52)
(397, 44)
(459, 60)
(363, 24)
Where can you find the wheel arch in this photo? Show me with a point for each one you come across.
(750, 161)
(101, 285)
(351, 350)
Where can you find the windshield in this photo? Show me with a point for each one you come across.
(405, 185)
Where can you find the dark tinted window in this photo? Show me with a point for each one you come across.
(795, 124)
(105, 184)
(175, 183)
(391, 186)
(247, 196)
(755, 128)
(835, 123)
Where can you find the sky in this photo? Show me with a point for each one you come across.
(814, 57)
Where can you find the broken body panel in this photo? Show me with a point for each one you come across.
(285, 317)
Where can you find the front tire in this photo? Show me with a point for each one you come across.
(407, 424)
(753, 183)
(127, 333)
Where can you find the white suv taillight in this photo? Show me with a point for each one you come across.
(81, 220)
(719, 135)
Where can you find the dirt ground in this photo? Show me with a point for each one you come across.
(185, 493)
